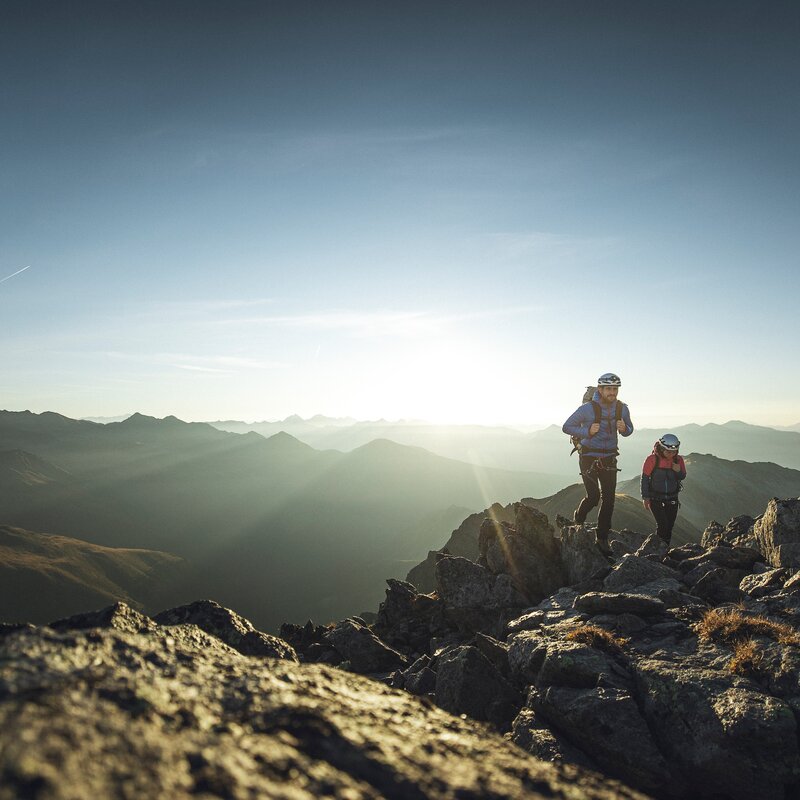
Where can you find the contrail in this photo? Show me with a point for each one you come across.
(8, 277)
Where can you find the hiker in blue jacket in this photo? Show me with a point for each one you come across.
(596, 426)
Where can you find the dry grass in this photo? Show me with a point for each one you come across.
(598, 637)
(732, 627)
(747, 659)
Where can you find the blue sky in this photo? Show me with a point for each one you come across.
(445, 210)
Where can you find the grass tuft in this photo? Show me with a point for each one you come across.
(747, 659)
(598, 637)
(731, 627)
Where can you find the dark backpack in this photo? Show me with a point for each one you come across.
(577, 447)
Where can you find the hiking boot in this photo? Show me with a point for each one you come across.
(602, 546)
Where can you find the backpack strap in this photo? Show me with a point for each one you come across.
(598, 412)
(620, 406)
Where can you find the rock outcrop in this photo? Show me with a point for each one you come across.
(675, 671)
(171, 711)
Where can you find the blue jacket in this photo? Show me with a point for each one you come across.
(604, 442)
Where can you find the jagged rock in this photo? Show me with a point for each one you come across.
(119, 616)
(621, 603)
(526, 654)
(543, 742)
(763, 583)
(364, 652)
(527, 622)
(793, 583)
(468, 683)
(725, 556)
(505, 594)
(628, 541)
(494, 650)
(306, 639)
(106, 713)
(738, 531)
(578, 666)
(228, 627)
(419, 678)
(674, 598)
(462, 583)
(685, 551)
(529, 552)
(632, 572)
(731, 740)
(407, 620)
(653, 545)
(605, 723)
(778, 533)
(579, 554)
(720, 585)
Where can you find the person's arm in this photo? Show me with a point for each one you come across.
(680, 467)
(626, 418)
(647, 471)
(578, 424)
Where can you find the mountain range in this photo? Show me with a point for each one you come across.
(285, 531)
(244, 512)
(545, 450)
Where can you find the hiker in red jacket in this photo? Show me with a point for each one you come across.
(662, 473)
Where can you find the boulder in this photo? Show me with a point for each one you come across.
(619, 603)
(720, 585)
(461, 583)
(605, 723)
(468, 683)
(737, 531)
(528, 551)
(536, 738)
(731, 740)
(778, 533)
(577, 665)
(228, 627)
(579, 554)
(119, 616)
(526, 654)
(633, 571)
(363, 651)
(757, 585)
(113, 714)
(653, 545)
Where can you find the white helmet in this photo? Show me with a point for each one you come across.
(609, 379)
(669, 441)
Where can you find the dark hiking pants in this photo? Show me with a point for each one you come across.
(665, 512)
(600, 485)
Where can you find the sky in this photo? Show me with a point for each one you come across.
(454, 211)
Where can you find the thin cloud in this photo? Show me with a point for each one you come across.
(545, 245)
(377, 323)
(14, 274)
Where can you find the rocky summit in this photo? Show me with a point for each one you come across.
(541, 669)
(117, 705)
(675, 671)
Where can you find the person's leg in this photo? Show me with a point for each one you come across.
(670, 515)
(590, 481)
(608, 486)
(659, 510)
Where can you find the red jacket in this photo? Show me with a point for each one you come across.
(659, 480)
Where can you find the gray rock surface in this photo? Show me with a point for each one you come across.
(113, 714)
(579, 554)
(619, 603)
(362, 650)
(778, 533)
(228, 627)
(633, 571)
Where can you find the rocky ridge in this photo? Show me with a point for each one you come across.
(675, 671)
(670, 673)
(114, 704)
